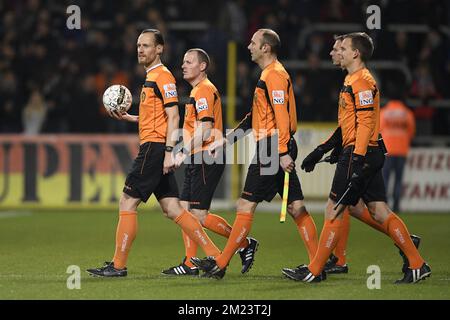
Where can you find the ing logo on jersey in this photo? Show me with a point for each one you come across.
(365, 98)
(341, 102)
(143, 96)
(201, 104)
(278, 96)
(170, 90)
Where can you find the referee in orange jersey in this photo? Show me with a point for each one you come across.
(337, 261)
(202, 126)
(151, 172)
(273, 120)
(358, 171)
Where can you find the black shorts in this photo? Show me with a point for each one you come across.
(146, 175)
(260, 186)
(374, 189)
(200, 183)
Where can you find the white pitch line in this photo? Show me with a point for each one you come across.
(14, 214)
(33, 277)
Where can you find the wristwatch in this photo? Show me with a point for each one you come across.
(168, 148)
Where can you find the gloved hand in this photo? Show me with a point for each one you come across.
(356, 181)
(334, 156)
(311, 159)
(292, 148)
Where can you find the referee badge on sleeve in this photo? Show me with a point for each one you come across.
(201, 104)
(278, 96)
(170, 90)
(365, 98)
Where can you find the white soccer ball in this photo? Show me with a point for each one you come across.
(117, 98)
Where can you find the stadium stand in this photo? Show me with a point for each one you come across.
(68, 70)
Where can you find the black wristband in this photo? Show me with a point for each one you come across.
(168, 148)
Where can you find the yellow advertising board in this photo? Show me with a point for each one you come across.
(64, 170)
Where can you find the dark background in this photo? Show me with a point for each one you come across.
(59, 75)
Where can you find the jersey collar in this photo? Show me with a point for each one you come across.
(201, 81)
(271, 65)
(154, 67)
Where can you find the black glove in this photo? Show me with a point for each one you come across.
(311, 159)
(356, 181)
(334, 156)
(292, 148)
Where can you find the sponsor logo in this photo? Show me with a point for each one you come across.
(143, 96)
(201, 104)
(171, 94)
(169, 86)
(170, 90)
(278, 96)
(365, 98)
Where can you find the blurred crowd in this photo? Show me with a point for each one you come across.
(52, 78)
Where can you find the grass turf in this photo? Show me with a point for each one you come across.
(37, 248)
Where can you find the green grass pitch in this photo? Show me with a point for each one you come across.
(38, 246)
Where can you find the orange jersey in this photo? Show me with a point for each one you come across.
(398, 127)
(158, 92)
(274, 106)
(359, 111)
(204, 105)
